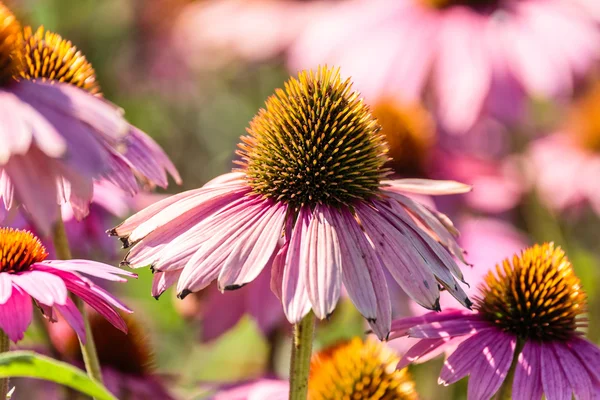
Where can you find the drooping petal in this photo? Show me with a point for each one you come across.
(555, 383)
(15, 314)
(323, 266)
(426, 186)
(253, 249)
(5, 287)
(492, 367)
(588, 353)
(420, 349)
(447, 329)
(294, 296)
(73, 317)
(88, 267)
(161, 281)
(45, 287)
(527, 383)
(576, 374)
(277, 269)
(401, 326)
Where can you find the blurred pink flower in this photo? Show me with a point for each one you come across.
(231, 229)
(27, 275)
(211, 32)
(477, 59)
(261, 389)
(515, 310)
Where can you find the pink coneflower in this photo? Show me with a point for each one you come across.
(527, 316)
(127, 360)
(471, 57)
(55, 138)
(311, 169)
(25, 274)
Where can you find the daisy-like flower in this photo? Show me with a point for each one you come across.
(527, 315)
(311, 202)
(26, 274)
(55, 138)
(357, 369)
(474, 58)
(127, 360)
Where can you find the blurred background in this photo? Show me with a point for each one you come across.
(500, 94)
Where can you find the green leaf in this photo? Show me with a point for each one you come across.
(28, 364)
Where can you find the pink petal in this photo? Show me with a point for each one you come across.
(277, 269)
(253, 249)
(401, 326)
(588, 353)
(161, 281)
(45, 287)
(555, 383)
(14, 132)
(294, 296)
(382, 325)
(491, 369)
(427, 186)
(15, 314)
(237, 178)
(357, 253)
(91, 268)
(323, 263)
(527, 383)
(421, 349)
(5, 287)
(575, 372)
(73, 317)
(447, 329)
(397, 253)
(462, 361)
(6, 189)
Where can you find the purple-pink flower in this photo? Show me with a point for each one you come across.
(526, 321)
(473, 58)
(311, 203)
(25, 274)
(56, 139)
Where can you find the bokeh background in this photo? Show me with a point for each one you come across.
(517, 118)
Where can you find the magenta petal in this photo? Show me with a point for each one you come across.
(45, 287)
(420, 349)
(293, 293)
(490, 371)
(73, 317)
(5, 287)
(254, 249)
(463, 360)
(401, 326)
(323, 265)
(588, 353)
(527, 384)
(15, 314)
(91, 268)
(447, 329)
(575, 372)
(555, 383)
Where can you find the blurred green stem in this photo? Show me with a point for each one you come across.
(4, 346)
(301, 352)
(88, 349)
(505, 392)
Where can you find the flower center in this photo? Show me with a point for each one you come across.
(315, 142)
(47, 56)
(359, 370)
(19, 250)
(583, 120)
(537, 296)
(10, 38)
(410, 134)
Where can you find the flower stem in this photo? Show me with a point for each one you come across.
(505, 392)
(301, 352)
(88, 349)
(4, 346)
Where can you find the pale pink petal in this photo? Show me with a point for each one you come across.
(237, 178)
(404, 263)
(161, 281)
(45, 287)
(277, 269)
(446, 329)
(323, 265)
(16, 314)
(5, 287)
(420, 349)
(253, 249)
(73, 317)
(527, 384)
(91, 268)
(576, 373)
(6, 189)
(357, 253)
(490, 371)
(462, 361)
(382, 325)
(555, 383)
(14, 133)
(427, 186)
(294, 296)
(401, 326)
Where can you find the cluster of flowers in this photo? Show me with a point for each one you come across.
(318, 208)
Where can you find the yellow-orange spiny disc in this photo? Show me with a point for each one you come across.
(19, 250)
(10, 40)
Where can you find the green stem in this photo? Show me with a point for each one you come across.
(4, 346)
(300, 362)
(505, 392)
(88, 350)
